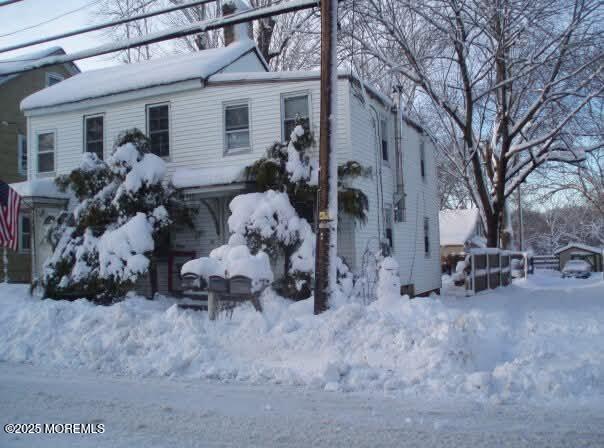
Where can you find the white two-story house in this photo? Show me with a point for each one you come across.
(211, 113)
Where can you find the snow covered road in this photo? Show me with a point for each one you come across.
(162, 412)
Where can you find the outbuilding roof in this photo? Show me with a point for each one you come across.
(585, 247)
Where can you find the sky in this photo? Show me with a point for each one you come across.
(17, 16)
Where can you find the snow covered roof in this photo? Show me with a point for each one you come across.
(457, 226)
(208, 176)
(44, 188)
(585, 247)
(18, 62)
(140, 75)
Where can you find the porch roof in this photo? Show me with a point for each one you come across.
(40, 189)
(214, 179)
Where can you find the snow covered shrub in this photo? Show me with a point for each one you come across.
(288, 168)
(103, 246)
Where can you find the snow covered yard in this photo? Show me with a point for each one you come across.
(532, 350)
(539, 340)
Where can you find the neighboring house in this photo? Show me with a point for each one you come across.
(211, 113)
(460, 230)
(578, 251)
(13, 139)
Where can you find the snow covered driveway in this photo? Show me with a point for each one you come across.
(161, 412)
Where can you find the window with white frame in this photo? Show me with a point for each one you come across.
(22, 154)
(422, 158)
(158, 129)
(295, 109)
(426, 236)
(93, 135)
(46, 152)
(24, 233)
(236, 127)
(384, 136)
(53, 78)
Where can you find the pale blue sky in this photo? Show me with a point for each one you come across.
(30, 12)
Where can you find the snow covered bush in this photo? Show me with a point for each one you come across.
(103, 246)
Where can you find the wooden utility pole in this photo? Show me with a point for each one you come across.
(325, 275)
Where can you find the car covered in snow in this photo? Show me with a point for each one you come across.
(576, 269)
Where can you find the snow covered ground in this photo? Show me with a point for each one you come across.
(524, 365)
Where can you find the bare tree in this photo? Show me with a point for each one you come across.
(287, 42)
(505, 84)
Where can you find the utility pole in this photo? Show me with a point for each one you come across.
(325, 266)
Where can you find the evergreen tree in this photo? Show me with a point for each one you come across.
(108, 241)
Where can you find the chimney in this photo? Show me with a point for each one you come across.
(241, 31)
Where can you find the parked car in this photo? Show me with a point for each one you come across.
(576, 269)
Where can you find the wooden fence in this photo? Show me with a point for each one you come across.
(491, 268)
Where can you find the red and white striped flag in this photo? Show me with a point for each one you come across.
(10, 203)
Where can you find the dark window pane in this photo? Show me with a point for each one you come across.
(295, 106)
(159, 130)
(46, 162)
(94, 135)
(290, 125)
(46, 142)
(236, 117)
(385, 150)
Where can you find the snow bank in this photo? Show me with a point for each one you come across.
(519, 343)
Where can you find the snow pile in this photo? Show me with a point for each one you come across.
(207, 176)
(519, 343)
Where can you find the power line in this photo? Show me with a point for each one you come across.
(104, 25)
(8, 2)
(60, 16)
(172, 33)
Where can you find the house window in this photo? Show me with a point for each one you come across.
(24, 233)
(22, 154)
(237, 127)
(422, 158)
(426, 236)
(384, 134)
(93, 135)
(388, 225)
(158, 129)
(46, 152)
(53, 78)
(295, 110)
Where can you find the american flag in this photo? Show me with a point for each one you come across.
(10, 203)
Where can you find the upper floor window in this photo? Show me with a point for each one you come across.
(53, 78)
(22, 154)
(384, 135)
(93, 135)
(422, 158)
(24, 233)
(158, 129)
(46, 152)
(237, 127)
(426, 236)
(295, 109)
